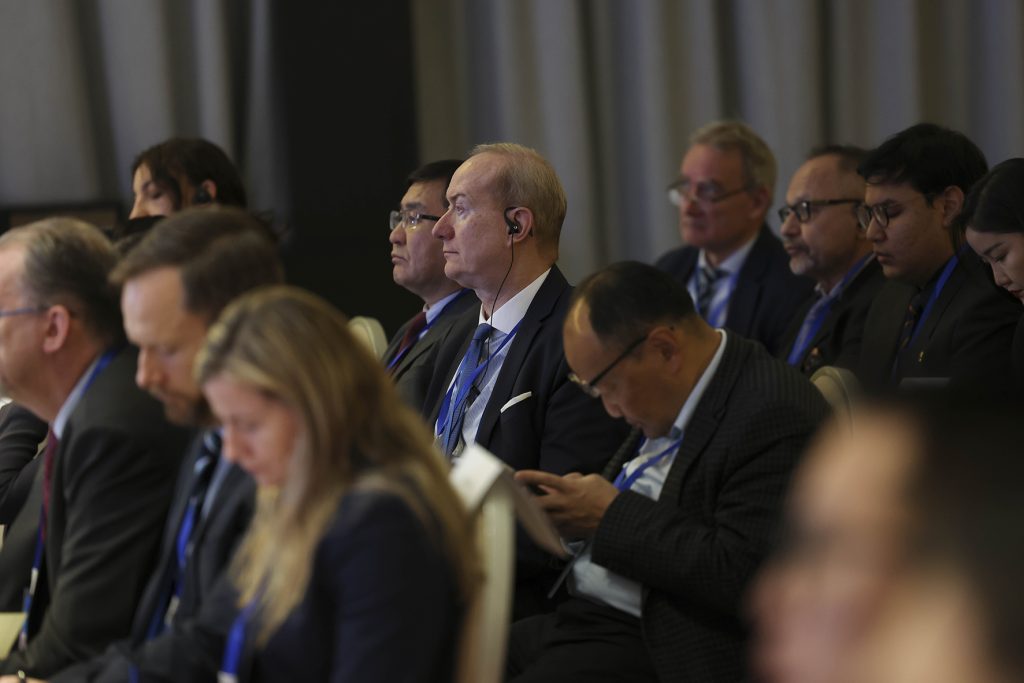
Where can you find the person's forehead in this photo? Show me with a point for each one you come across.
(424, 192)
(882, 192)
(708, 161)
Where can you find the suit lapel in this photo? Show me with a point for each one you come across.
(706, 418)
(956, 281)
(536, 316)
(743, 303)
(894, 301)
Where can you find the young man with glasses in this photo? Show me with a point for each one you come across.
(667, 540)
(733, 266)
(939, 316)
(825, 242)
(418, 266)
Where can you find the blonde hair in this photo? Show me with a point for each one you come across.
(759, 167)
(357, 434)
(527, 179)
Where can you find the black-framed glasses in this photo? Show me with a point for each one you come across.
(411, 219)
(22, 311)
(884, 211)
(590, 388)
(707, 192)
(803, 210)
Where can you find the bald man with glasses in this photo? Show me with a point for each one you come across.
(824, 240)
(732, 265)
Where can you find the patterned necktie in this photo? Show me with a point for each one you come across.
(463, 388)
(707, 276)
(809, 327)
(49, 455)
(910, 320)
(412, 335)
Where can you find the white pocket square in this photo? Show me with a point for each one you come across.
(517, 399)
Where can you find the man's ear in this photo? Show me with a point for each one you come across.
(951, 201)
(58, 326)
(519, 222)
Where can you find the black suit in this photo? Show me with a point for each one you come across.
(415, 371)
(838, 340)
(214, 539)
(696, 548)
(967, 337)
(111, 487)
(557, 429)
(767, 293)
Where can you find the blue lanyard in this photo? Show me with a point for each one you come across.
(716, 316)
(450, 406)
(398, 357)
(800, 345)
(624, 483)
(943, 278)
(235, 644)
(37, 556)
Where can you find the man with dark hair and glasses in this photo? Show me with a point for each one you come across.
(733, 266)
(668, 538)
(939, 315)
(418, 265)
(824, 241)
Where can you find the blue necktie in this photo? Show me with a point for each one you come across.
(707, 276)
(812, 323)
(463, 386)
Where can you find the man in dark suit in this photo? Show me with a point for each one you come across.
(665, 553)
(418, 265)
(733, 266)
(174, 284)
(939, 316)
(507, 387)
(825, 242)
(104, 478)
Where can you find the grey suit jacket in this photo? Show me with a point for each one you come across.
(112, 483)
(697, 547)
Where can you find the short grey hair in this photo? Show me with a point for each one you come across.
(759, 166)
(68, 262)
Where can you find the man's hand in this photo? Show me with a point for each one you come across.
(575, 503)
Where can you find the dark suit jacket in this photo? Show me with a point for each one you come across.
(838, 342)
(767, 293)
(20, 435)
(111, 488)
(366, 615)
(215, 538)
(697, 547)
(967, 337)
(414, 373)
(557, 429)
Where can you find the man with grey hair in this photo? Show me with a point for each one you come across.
(508, 387)
(733, 266)
(105, 476)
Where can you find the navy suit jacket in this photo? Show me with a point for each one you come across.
(111, 490)
(215, 539)
(767, 293)
(967, 337)
(381, 605)
(415, 372)
(557, 428)
(838, 341)
(697, 547)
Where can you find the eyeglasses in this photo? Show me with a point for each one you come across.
(410, 218)
(883, 211)
(707, 192)
(590, 388)
(23, 311)
(803, 210)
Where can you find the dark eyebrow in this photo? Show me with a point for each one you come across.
(989, 251)
(413, 205)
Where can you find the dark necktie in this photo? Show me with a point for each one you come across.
(412, 334)
(910, 320)
(461, 397)
(49, 455)
(202, 474)
(707, 276)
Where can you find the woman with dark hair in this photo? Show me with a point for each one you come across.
(360, 557)
(182, 172)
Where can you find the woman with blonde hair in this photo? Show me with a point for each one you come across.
(360, 557)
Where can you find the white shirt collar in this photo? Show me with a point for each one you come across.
(735, 262)
(512, 311)
(64, 414)
(679, 426)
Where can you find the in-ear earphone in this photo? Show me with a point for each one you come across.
(513, 227)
